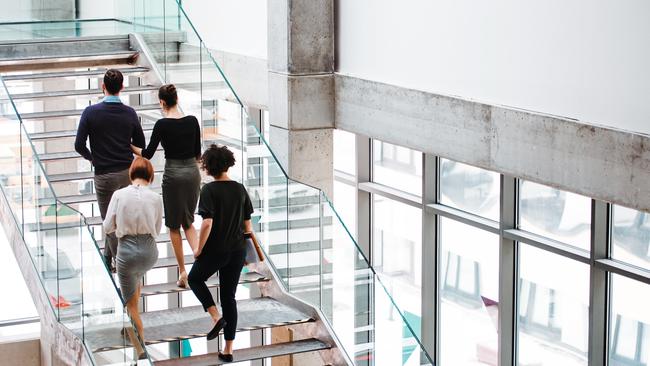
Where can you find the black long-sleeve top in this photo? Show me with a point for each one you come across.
(111, 128)
(180, 137)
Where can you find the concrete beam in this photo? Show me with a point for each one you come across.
(248, 76)
(301, 36)
(594, 161)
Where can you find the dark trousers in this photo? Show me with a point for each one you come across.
(229, 266)
(105, 186)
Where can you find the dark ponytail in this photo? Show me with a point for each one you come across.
(167, 93)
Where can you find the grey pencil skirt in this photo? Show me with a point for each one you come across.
(181, 185)
(136, 254)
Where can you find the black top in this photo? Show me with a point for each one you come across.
(112, 128)
(180, 137)
(227, 203)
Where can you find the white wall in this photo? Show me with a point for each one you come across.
(237, 26)
(15, 11)
(583, 59)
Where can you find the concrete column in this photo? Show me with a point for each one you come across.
(53, 9)
(301, 88)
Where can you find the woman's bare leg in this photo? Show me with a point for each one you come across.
(177, 244)
(192, 237)
(132, 308)
(227, 350)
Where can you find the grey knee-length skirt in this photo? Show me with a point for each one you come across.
(136, 254)
(181, 186)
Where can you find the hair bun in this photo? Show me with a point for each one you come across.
(167, 93)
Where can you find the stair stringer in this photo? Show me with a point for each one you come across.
(319, 329)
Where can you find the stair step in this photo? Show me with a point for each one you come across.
(98, 58)
(50, 135)
(72, 74)
(305, 270)
(166, 262)
(68, 155)
(83, 198)
(170, 288)
(66, 177)
(81, 92)
(77, 112)
(193, 322)
(250, 354)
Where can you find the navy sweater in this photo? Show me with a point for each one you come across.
(112, 128)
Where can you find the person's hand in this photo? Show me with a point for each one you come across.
(136, 150)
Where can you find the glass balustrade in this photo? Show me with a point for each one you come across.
(307, 244)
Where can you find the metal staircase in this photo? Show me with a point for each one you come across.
(316, 283)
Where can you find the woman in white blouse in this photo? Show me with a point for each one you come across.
(135, 215)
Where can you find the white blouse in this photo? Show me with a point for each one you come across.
(134, 210)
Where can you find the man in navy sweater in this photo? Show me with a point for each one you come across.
(112, 127)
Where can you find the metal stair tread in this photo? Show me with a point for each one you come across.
(166, 262)
(63, 58)
(89, 197)
(80, 92)
(65, 177)
(171, 287)
(77, 112)
(71, 133)
(69, 155)
(251, 353)
(192, 322)
(72, 74)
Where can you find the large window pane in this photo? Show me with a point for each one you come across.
(553, 309)
(469, 188)
(345, 201)
(469, 281)
(629, 323)
(397, 254)
(556, 214)
(397, 167)
(345, 152)
(631, 237)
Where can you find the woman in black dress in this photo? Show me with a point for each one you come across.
(181, 139)
(226, 210)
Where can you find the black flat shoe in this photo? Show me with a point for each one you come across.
(224, 357)
(218, 326)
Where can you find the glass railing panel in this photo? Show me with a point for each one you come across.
(346, 290)
(268, 189)
(40, 221)
(371, 327)
(59, 29)
(68, 280)
(11, 156)
(304, 245)
(106, 325)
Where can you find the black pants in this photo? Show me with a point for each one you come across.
(229, 266)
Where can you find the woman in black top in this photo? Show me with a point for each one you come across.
(226, 209)
(181, 139)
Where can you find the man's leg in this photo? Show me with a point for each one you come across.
(105, 186)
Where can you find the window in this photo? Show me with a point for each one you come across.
(553, 309)
(397, 167)
(470, 293)
(397, 251)
(558, 215)
(469, 189)
(344, 152)
(629, 323)
(631, 236)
